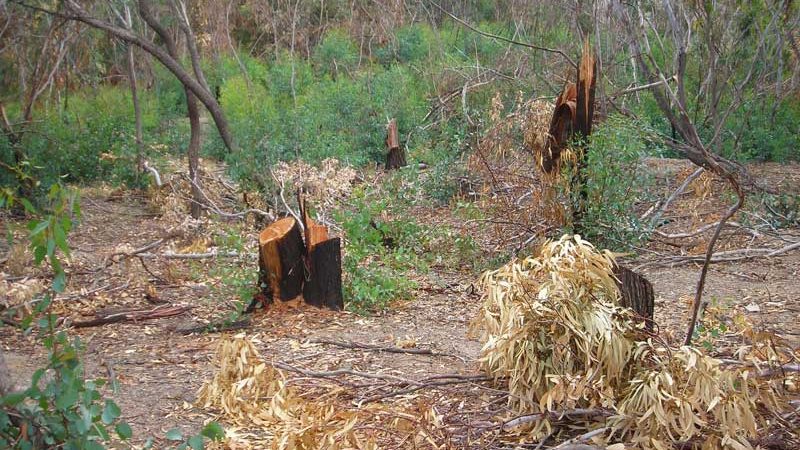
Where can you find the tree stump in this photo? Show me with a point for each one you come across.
(396, 158)
(293, 263)
(280, 260)
(636, 293)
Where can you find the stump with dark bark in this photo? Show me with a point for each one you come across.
(636, 293)
(396, 158)
(280, 259)
(293, 263)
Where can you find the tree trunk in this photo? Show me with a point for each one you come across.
(193, 151)
(636, 293)
(396, 158)
(137, 112)
(281, 251)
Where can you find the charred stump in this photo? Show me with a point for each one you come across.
(280, 259)
(292, 262)
(396, 158)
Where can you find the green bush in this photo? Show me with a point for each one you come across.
(616, 182)
(377, 255)
(336, 54)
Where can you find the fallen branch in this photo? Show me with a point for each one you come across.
(216, 327)
(675, 195)
(173, 255)
(726, 256)
(554, 416)
(379, 348)
(705, 228)
(133, 316)
(571, 443)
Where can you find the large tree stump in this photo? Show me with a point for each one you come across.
(636, 293)
(280, 259)
(396, 158)
(289, 267)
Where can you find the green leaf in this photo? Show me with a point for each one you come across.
(14, 398)
(174, 435)
(60, 282)
(124, 431)
(213, 431)
(28, 206)
(110, 412)
(196, 442)
(60, 238)
(39, 253)
(41, 226)
(66, 398)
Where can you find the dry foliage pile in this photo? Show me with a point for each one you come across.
(266, 410)
(552, 328)
(325, 185)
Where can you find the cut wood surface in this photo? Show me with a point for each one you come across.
(280, 259)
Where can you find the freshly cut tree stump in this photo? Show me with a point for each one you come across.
(636, 293)
(289, 267)
(396, 158)
(324, 284)
(280, 259)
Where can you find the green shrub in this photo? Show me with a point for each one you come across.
(377, 255)
(336, 54)
(616, 182)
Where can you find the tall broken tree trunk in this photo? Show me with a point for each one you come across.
(396, 158)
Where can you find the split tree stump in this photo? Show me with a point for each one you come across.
(290, 266)
(396, 158)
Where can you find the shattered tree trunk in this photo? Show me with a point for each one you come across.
(396, 158)
(636, 293)
(290, 267)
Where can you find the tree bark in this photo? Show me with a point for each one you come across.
(636, 293)
(324, 284)
(396, 158)
(137, 108)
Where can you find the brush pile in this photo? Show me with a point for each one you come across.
(552, 330)
(249, 392)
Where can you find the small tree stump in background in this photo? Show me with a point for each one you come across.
(280, 259)
(636, 293)
(396, 158)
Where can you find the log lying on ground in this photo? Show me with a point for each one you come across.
(280, 259)
(636, 293)
(293, 263)
(396, 158)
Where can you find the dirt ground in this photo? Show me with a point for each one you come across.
(160, 369)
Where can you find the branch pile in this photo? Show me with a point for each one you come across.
(552, 328)
(259, 399)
